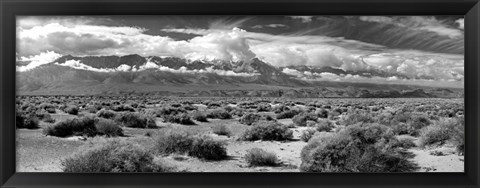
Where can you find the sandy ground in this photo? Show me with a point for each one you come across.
(39, 153)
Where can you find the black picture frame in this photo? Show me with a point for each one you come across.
(11, 8)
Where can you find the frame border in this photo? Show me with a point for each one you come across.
(10, 8)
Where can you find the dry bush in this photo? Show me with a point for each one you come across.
(267, 130)
(357, 148)
(113, 156)
(135, 120)
(302, 118)
(108, 128)
(221, 130)
(204, 147)
(181, 118)
(199, 116)
(259, 157)
(219, 114)
(307, 134)
(107, 114)
(83, 126)
(71, 109)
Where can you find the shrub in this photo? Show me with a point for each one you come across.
(405, 142)
(84, 126)
(221, 130)
(250, 118)
(301, 119)
(357, 117)
(324, 125)
(287, 114)
(174, 142)
(181, 118)
(71, 109)
(199, 116)
(357, 148)
(26, 121)
(307, 134)
(197, 146)
(219, 114)
(204, 147)
(113, 156)
(108, 128)
(259, 157)
(321, 113)
(50, 108)
(439, 132)
(107, 114)
(135, 120)
(123, 108)
(263, 107)
(267, 130)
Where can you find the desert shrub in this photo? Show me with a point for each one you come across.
(321, 113)
(50, 108)
(219, 114)
(197, 146)
(439, 132)
(199, 116)
(259, 157)
(458, 136)
(123, 108)
(301, 119)
(250, 118)
(113, 156)
(48, 119)
(267, 130)
(108, 128)
(174, 142)
(357, 117)
(221, 130)
(161, 112)
(357, 148)
(263, 107)
(405, 142)
(287, 114)
(181, 118)
(107, 114)
(135, 120)
(307, 134)
(83, 126)
(28, 121)
(324, 125)
(204, 147)
(71, 109)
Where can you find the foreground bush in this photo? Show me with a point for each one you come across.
(301, 119)
(113, 156)
(71, 109)
(221, 130)
(202, 147)
(357, 148)
(441, 131)
(307, 134)
(84, 126)
(181, 118)
(267, 130)
(199, 116)
(108, 128)
(219, 114)
(135, 120)
(107, 114)
(259, 157)
(26, 121)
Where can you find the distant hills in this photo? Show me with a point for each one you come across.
(171, 76)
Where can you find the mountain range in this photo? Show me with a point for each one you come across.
(172, 76)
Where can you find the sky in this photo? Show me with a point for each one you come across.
(426, 50)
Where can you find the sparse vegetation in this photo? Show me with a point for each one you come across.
(113, 156)
(259, 157)
(267, 130)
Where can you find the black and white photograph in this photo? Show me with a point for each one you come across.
(240, 93)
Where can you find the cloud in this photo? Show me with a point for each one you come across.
(38, 60)
(419, 23)
(270, 26)
(304, 19)
(461, 23)
(149, 65)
